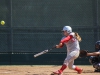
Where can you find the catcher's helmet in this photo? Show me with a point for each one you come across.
(67, 28)
(97, 46)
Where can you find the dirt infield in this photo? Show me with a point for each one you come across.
(41, 70)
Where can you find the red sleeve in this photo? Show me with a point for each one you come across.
(66, 39)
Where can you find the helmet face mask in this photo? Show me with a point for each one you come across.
(97, 46)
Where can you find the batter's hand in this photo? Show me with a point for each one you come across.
(60, 45)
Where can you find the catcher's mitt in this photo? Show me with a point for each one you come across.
(83, 53)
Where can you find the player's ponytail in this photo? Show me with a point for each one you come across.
(78, 37)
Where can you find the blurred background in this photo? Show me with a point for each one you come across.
(32, 26)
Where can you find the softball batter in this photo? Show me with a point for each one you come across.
(71, 40)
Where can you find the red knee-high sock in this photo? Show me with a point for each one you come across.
(77, 69)
(63, 68)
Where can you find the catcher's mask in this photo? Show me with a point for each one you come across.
(97, 46)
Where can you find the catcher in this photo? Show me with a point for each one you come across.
(94, 56)
(95, 60)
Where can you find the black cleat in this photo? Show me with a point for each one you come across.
(97, 70)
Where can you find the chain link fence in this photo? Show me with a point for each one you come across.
(34, 25)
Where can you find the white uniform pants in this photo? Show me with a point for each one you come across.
(69, 60)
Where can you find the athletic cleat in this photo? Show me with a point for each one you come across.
(80, 71)
(97, 70)
(57, 73)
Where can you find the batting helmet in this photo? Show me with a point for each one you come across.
(67, 28)
(97, 46)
